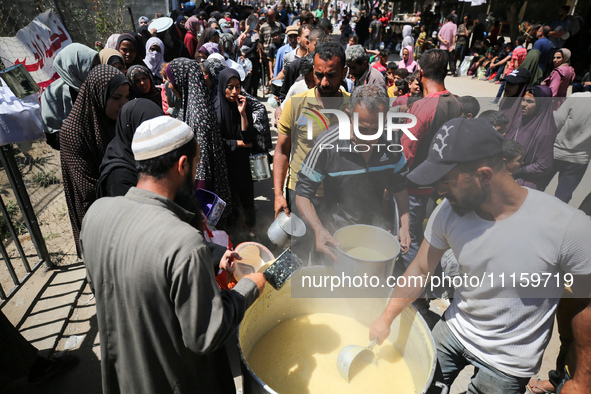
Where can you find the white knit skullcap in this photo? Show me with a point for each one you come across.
(158, 136)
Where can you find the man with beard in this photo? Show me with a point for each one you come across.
(329, 72)
(163, 321)
(359, 69)
(355, 173)
(503, 236)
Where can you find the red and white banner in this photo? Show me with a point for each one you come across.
(35, 46)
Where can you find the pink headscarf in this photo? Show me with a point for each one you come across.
(411, 66)
(192, 24)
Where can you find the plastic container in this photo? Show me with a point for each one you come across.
(252, 260)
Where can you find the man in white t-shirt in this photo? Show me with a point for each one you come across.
(516, 247)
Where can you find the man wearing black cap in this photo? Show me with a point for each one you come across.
(437, 107)
(505, 237)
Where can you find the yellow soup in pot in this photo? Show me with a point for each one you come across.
(300, 356)
(365, 253)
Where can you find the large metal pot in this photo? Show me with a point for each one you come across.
(410, 334)
(383, 245)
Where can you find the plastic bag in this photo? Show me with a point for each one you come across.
(481, 72)
(218, 237)
(20, 119)
(463, 70)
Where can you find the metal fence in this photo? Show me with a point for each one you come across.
(27, 222)
(34, 221)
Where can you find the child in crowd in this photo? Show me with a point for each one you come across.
(470, 106)
(354, 40)
(401, 73)
(382, 61)
(497, 119)
(169, 99)
(512, 152)
(416, 89)
(400, 90)
(390, 71)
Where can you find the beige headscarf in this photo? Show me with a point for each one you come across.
(107, 53)
(565, 55)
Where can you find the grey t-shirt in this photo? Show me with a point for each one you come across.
(504, 325)
(573, 121)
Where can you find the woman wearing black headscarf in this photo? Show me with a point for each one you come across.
(118, 172)
(143, 85)
(179, 23)
(84, 137)
(131, 49)
(234, 116)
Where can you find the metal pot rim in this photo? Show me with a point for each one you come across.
(374, 228)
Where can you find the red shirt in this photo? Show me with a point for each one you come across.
(519, 54)
(431, 112)
(380, 67)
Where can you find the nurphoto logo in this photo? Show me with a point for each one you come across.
(394, 121)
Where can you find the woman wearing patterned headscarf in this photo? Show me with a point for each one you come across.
(72, 64)
(212, 67)
(561, 77)
(198, 112)
(85, 135)
(155, 57)
(113, 58)
(142, 85)
(112, 41)
(191, 40)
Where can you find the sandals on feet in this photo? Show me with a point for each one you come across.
(537, 386)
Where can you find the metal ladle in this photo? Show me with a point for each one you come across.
(350, 353)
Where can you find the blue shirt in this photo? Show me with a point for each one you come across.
(559, 25)
(279, 58)
(543, 45)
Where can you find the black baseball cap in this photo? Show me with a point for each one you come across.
(458, 141)
(519, 76)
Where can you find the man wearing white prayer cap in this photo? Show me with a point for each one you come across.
(163, 320)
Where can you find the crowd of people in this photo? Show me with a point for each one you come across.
(154, 115)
